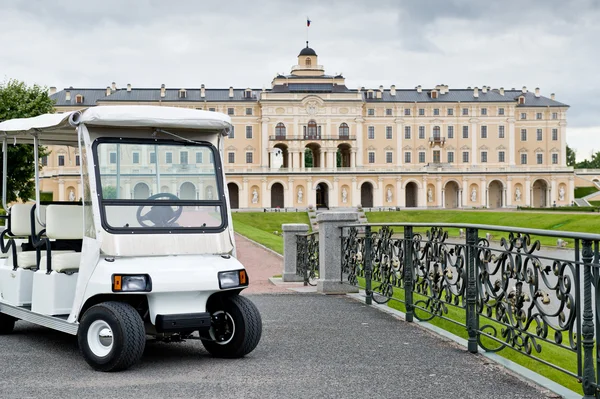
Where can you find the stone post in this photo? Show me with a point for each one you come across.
(330, 251)
(290, 250)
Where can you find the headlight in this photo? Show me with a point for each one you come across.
(231, 279)
(131, 283)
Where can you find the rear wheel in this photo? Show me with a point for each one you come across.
(7, 323)
(111, 336)
(236, 328)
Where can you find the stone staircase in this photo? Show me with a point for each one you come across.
(312, 215)
(582, 202)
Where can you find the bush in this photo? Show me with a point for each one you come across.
(563, 209)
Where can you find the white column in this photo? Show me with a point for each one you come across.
(509, 191)
(244, 194)
(289, 195)
(465, 193)
(311, 193)
(483, 199)
(460, 198)
(552, 194)
(400, 198)
(353, 158)
(378, 195)
(290, 158)
(511, 141)
(399, 136)
(61, 190)
(331, 158)
(264, 141)
(438, 192)
(563, 143)
(271, 157)
(359, 140)
(423, 194)
(355, 197)
(301, 159)
(571, 193)
(174, 187)
(321, 159)
(443, 198)
(265, 198)
(527, 192)
(334, 194)
(127, 193)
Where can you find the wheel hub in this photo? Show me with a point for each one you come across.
(222, 328)
(100, 338)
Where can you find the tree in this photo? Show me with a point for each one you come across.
(17, 100)
(571, 161)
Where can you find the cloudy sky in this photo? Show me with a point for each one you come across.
(549, 44)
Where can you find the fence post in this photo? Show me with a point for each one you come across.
(290, 250)
(330, 251)
(408, 272)
(587, 328)
(368, 266)
(472, 319)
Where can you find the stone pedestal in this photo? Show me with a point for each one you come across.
(290, 250)
(330, 249)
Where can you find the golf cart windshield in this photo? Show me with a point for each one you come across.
(159, 186)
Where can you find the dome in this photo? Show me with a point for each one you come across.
(307, 51)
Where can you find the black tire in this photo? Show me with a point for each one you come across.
(7, 324)
(243, 315)
(128, 336)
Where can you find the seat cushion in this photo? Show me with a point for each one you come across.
(63, 262)
(27, 259)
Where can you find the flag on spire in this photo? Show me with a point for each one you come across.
(307, 22)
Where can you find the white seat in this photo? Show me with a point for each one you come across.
(63, 262)
(27, 259)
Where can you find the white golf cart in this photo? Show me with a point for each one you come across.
(140, 254)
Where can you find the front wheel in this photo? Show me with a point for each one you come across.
(235, 330)
(7, 324)
(111, 336)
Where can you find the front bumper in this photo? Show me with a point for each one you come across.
(172, 323)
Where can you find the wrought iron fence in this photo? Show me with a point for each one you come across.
(506, 293)
(307, 263)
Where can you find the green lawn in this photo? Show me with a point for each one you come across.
(260, 226)
(581, 192)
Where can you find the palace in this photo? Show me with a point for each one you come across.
(311, 140)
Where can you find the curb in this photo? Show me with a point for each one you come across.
(522, 372)
(260, 245)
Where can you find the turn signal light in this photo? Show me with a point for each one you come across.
(243, 277)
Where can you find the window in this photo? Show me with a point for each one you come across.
(388, 157)
(450, 132)
(231, 157)
(248, 111)
(539, 158)
(311, 129)
(523, 159)
(407, 132)
(113, 157)
(523, 115)
(407, 157)
(436, 111)
(450, 111)
(484, 132)
(212, 109)
(232, 132)
(538, 116)
(248, 132)
(555, 115)
(554, 134)
(465, 111)
(406, 111)
(169, 157)
(437, 133)
(371, 112)
(421, 132)
(135, 157)
(388, 112)
(79, 99)
(483, 111)
(501, 156)
(344, 130)
(465, 132)
(371, 157)
(308, 62)
(421, 111)
(230, 111)
(501, 131)
(436, 156)
(249, 157)
(388, 132)
(539, 135)
(500, 111)
(199, 157)
(554, 159)
(421, 156)
(371, 132)
(152, 158)
(45, 161)
(523, 134)
(483, 156)
(280, 130)
(450, 157)
(183, 157)
(465, 156)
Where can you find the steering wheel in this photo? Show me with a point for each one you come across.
(160, 215)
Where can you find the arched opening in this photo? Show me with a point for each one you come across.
(187, 191)
(284, 155)
(312, 155)
(322, 195)
(495, 190)
(308, 62)
(366, 195)
(412, 195)
(280, 131)
(540, 194)
(344, 130)
(451, 193)
(141, 191)
(234, 195)
(277, 196)
(344, 152)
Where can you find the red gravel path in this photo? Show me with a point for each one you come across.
(261, 264)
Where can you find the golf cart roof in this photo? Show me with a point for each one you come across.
(58, 128)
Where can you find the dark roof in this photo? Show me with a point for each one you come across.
(310, 88)
(307, 51)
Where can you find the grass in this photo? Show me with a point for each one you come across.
(588, 223)
(594, 203)
(259, 226)
(581, 192)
